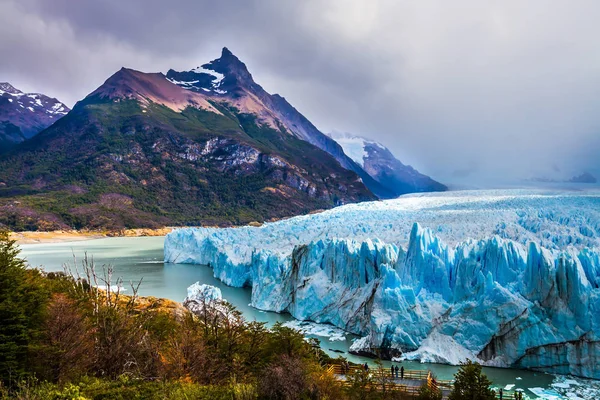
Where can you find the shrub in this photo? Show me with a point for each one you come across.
(283, 379)
(68, 342)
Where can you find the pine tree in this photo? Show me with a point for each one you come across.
(22, 301)
(471, 383)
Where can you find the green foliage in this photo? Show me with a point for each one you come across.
(471, 383)
(361, 385)
(287, 341)
(22, 303)
(128, 389)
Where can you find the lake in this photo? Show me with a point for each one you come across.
(135, 258)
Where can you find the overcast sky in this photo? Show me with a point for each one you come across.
(471, 91)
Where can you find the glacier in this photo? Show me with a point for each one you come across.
(510, 278)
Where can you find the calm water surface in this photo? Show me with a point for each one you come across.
(142, 257)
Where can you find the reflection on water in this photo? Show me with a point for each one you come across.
(137, 258)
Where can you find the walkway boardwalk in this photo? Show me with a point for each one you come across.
(382, 379)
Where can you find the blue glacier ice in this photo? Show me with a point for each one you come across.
(507, 277)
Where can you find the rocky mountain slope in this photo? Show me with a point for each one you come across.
(142, 151)
(379, 162)
(227, 79)
(23, 115)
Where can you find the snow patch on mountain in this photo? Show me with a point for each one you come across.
(205, 69)
(33, 101)
(216, 80)
(24, 115)
(381, 165)
(355, 147)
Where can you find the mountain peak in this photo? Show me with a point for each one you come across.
(217, 77)
(229, 65)
(226, 53)
(6, 87)
(127, 82)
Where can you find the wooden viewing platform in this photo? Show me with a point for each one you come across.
(383, 380)
(409, 385)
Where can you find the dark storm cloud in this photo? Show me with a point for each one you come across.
(503, 90)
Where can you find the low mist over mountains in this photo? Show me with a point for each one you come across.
(23, 115)
(379, 162)
(204, 146)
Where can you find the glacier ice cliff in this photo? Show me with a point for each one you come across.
(510, 278)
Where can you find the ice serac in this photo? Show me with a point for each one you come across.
(510, 278)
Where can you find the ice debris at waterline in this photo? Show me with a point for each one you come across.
(510, 278)
(312, 328)
(576, 389)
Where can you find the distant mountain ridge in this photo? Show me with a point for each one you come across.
(141, 151)
(379, 162)
(585, 177)
(23, 115)
(208, 146)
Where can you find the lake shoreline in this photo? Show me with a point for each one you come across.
(74, 235)
(64, 236)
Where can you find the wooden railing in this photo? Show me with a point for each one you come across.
(384, 380)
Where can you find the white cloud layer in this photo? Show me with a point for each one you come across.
(484, 92)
